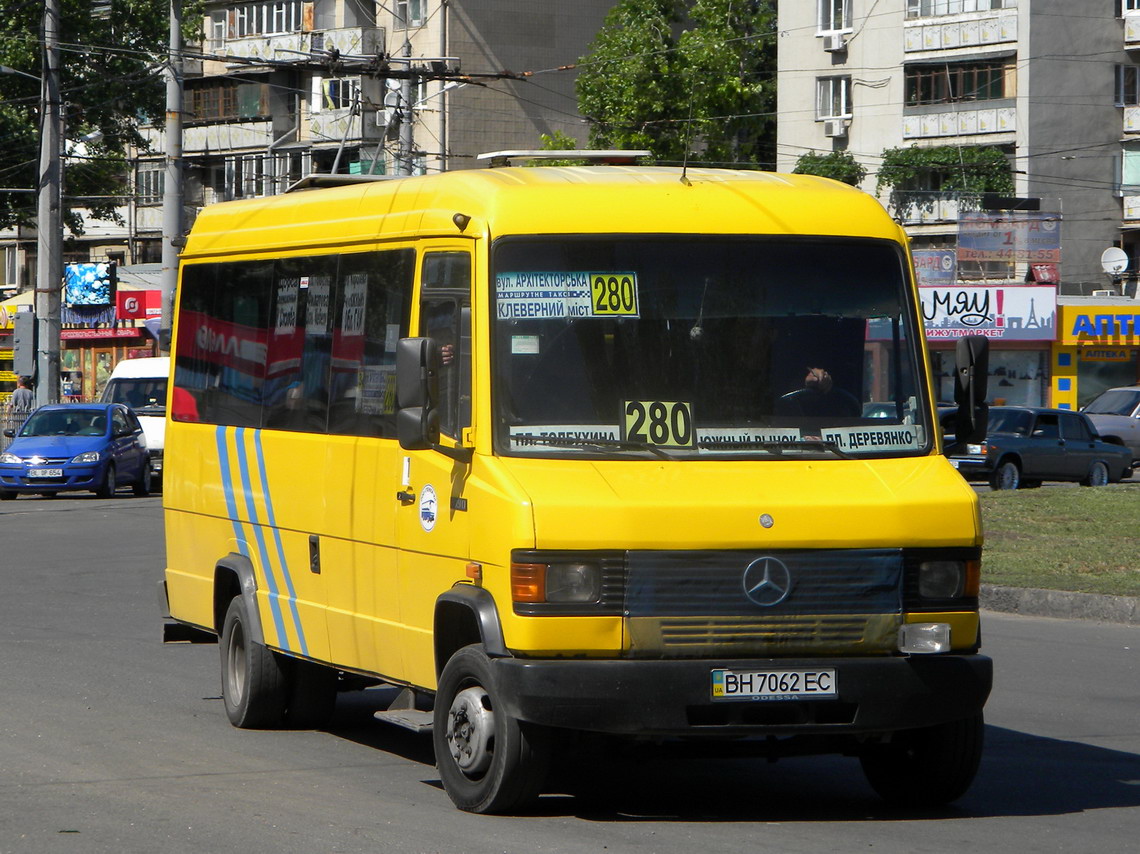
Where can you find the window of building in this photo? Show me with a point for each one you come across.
(833, 98)
(1127, 6)
(935, 8)
(255, 19)
(834, 15)
(966, 81)
(1127, 85)
(212, 100)
(150, 183)
(335, 93)
(409, 13)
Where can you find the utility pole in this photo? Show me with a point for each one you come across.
(404, 159)
(49, 217)
(172, 210)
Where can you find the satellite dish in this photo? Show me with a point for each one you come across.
(1114, 261)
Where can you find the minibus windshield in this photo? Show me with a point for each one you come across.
(693, 346)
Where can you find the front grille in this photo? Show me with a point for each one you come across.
(682, 637)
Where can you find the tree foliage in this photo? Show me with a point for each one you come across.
(838, 165)
(111, 62)
(681, 78)
(950, 168)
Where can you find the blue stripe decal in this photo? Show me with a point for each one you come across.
(228, 489)
(251, 507)
(272, 520)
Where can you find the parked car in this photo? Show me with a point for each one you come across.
(1026, 445)
(1116, 415)
(70, 447)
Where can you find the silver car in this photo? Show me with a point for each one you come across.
(1116, 415)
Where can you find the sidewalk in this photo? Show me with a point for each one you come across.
(1031, 602)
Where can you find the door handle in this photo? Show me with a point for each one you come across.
(405, 497)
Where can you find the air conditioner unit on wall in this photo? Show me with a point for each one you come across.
(835, 42)
(835, 128)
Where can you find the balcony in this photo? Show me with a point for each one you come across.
(1132, 30)
(348, 41)
(931, 207)
(961, 119)
(968, 30)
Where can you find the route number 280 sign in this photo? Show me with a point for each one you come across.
(665, 423)
(613, 294)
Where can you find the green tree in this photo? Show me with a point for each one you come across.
(728, 66)
(966, 170)
(629, 86)
(681, 78)
(839, 165)
(111, 64)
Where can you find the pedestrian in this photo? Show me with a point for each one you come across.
(22, 399)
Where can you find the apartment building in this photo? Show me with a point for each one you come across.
(1055, 86)
(280, 89)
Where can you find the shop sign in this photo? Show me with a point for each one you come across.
(138, 305)
(935, 267)
(112, 332)
(1010, 236)
(1100, 324)
(1014, 313)
(1106, 354)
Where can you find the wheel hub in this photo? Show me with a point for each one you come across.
(471, 730)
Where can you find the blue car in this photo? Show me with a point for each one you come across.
(69, 447)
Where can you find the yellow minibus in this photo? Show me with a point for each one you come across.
(577, 450)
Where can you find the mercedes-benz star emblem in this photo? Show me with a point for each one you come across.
(767, 581)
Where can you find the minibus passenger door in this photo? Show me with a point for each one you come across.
(433, 529)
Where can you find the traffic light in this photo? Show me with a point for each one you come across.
(24, 344)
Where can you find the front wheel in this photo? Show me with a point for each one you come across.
(141, 487)
(254, 681)
(7, 495)
(926, 767)
(1097, 476)
(1006, 476)
(106, 488)
(489, 762)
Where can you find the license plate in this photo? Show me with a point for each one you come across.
(774, 684)
(45, 473)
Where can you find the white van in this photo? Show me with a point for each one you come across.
(141, 385)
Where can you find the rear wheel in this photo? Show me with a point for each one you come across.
(7, 495)
(1097, 476)
(489, 762)
(254, 683)
(106, 488)
(1006, 476)
(926, 767)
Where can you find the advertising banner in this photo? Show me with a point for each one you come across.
(1009, 313)
(935, 267)
(1010, 236)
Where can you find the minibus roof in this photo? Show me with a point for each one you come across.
(542, 200)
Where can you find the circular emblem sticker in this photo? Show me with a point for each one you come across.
(428, 507)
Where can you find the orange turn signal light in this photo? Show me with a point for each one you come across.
(528, 582)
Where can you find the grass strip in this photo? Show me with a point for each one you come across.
(1064, 538)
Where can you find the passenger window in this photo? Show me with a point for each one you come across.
(1075, 429)
(1046, 427)
(445, 315)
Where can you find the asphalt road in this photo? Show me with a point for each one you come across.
(112, 742)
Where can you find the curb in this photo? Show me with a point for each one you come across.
(1031, 602)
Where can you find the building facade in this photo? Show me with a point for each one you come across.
(1055, 86)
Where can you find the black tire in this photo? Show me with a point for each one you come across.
(141, 487)
(7, 495)
(926, 767)
(1097, 476)
(106, 488)
(312, 695)
(489, 762)
(254, 681)
(1006, 476)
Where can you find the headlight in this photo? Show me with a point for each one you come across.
(948, 579)
(88, 457)
(11, 459)
(551, 582)
(976, 450)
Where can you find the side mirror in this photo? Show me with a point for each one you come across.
(10, 432)
(972, 361)
(417, 393)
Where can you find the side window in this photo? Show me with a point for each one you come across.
(119, 425)
(223, 326)
(1046, 427)
(1075, 429)
(370, 314)
(445, 315)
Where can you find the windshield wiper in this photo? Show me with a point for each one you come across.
(600, 443)
(777, 447)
